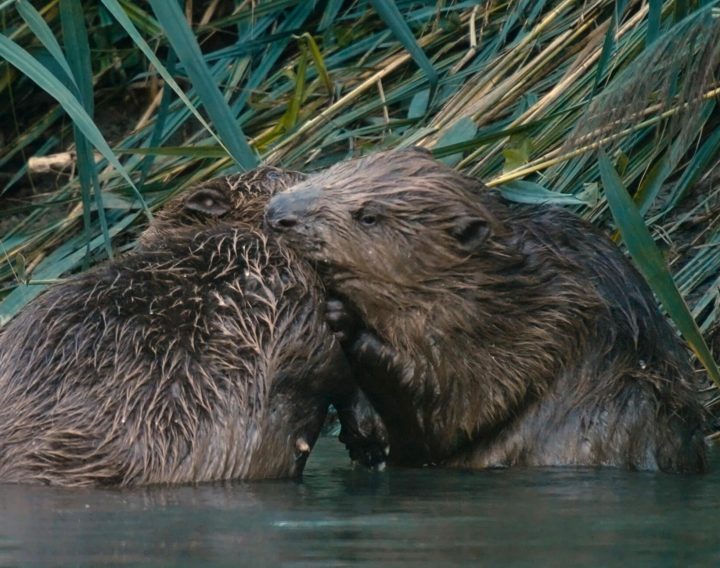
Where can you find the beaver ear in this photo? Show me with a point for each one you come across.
(209, 201)
(470, 232)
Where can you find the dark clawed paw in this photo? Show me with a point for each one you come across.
(363, 431)
(342, 321)
(370, 349)
(367, 343)
(371, 457)
(368, 448)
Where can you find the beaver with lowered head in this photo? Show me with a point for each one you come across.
(200, 356)
(494, 336)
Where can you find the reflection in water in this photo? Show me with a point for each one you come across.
(338, 516)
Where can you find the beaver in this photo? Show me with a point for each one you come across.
(492, 335)
(200, 356)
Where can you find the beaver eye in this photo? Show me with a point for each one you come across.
(366, 217)
(208, 201)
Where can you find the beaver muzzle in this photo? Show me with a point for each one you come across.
(286, 210)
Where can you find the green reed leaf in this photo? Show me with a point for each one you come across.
(651, 264)
(77, 46)
(186, 47)
(21, 59)
(388, 11)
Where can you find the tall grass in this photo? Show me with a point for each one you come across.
(606, 106)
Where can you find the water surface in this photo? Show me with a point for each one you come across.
(337, 516)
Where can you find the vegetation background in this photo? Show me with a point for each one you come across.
(609, 107)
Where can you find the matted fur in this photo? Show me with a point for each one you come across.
(496, 336)
(200, 356)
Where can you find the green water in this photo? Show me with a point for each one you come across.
(338, 516)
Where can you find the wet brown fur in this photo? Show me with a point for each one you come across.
(200, 356)
(496, 336)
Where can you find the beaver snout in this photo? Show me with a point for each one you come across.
(280, 222)
(286, 210)
(279, 215)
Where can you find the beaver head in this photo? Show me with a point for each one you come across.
(230, 199)
(398, 219)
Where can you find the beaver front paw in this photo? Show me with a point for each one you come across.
(343, 320)
(363, 433)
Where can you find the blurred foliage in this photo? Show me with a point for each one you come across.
(521, 93)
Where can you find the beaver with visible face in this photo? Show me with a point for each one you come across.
(495, 336)
(200, 356)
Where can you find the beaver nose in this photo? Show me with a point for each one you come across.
(286, 210)
(280, 223)
(279, 215)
